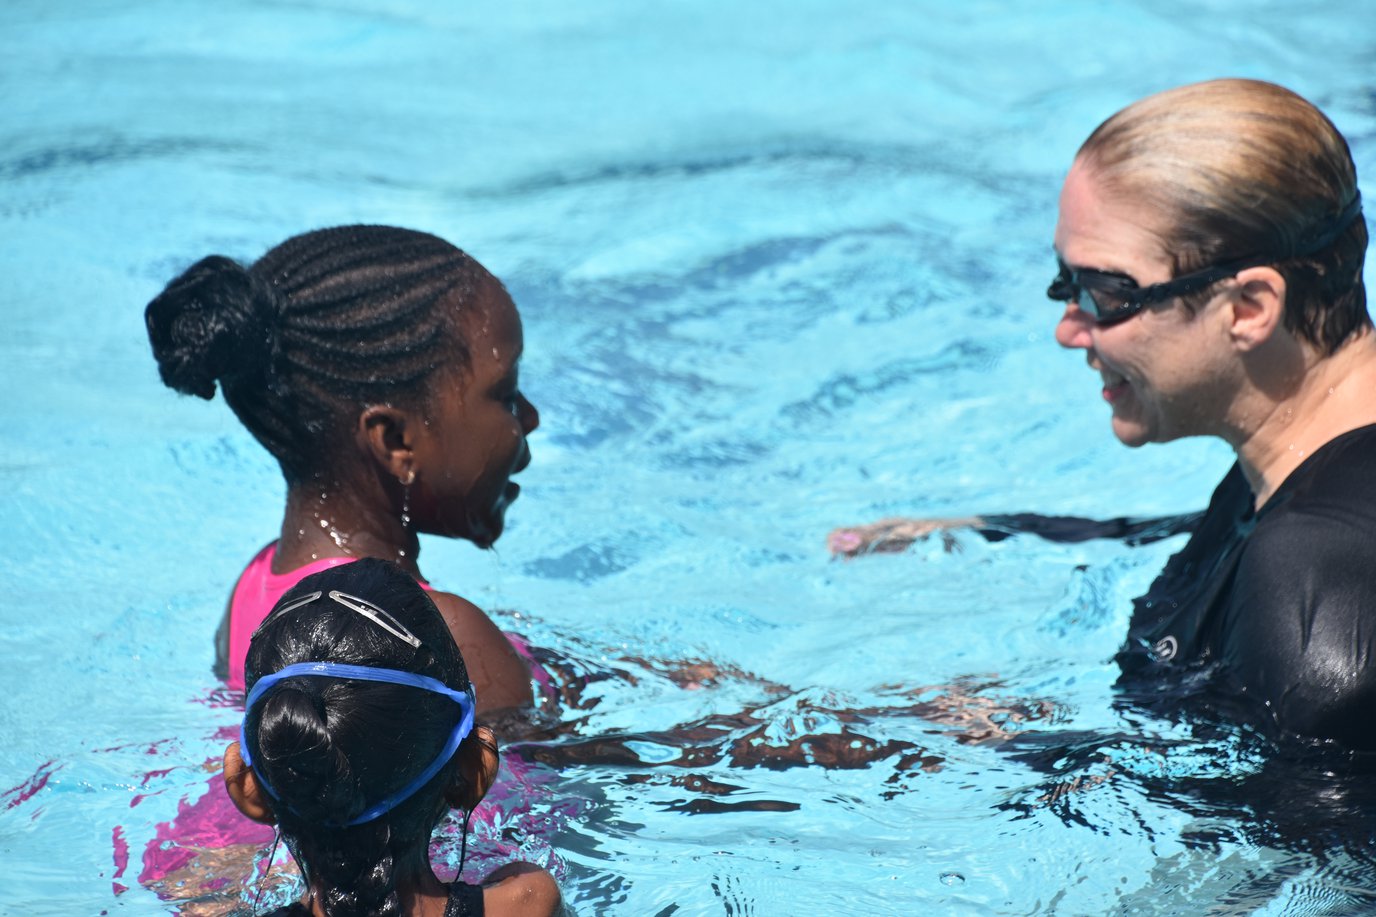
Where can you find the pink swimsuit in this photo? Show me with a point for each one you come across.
(259, 589)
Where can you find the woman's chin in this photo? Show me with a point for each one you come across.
(1130, 433)
(1132, 425)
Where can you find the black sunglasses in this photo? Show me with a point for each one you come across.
(1111, 298)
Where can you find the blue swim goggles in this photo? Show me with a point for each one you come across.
(466, 700)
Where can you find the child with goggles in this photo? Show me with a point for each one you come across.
(358, 736)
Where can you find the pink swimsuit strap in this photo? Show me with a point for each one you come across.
(257, 591)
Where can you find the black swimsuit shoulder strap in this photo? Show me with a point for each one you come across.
(464, 900)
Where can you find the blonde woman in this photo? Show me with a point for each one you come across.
(1210, 248)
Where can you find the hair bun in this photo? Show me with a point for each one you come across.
(216, 322)
(299, 755)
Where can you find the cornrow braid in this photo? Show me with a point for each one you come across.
(320, 326)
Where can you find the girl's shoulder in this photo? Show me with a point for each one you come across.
(501, 675)
(521, 890)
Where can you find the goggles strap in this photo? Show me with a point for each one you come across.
(466, 700)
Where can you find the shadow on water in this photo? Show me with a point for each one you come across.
(1268, 817)
(1257, 819)
(709, 758)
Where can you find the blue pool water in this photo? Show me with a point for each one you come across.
(782, 268)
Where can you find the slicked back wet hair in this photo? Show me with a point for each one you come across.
(1235, 168)
(321, 326)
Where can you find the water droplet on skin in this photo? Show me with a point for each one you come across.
(952, 878)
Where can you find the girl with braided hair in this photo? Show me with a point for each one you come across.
(358, 736)
(379, 367)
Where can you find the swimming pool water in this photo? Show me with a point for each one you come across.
(782, 268)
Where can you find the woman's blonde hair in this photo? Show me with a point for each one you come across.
(1239, 168)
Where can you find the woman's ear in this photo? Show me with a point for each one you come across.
(1258, 308)
(478, 763)
(244, 789)
(387, 434)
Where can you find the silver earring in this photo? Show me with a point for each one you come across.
(406, 498)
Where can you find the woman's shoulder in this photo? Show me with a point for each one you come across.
(1344, 468)
(1334, 490)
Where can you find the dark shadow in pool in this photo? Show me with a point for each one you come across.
(785, 729)
(1310, 807)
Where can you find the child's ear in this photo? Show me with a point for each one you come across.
(244, 789)
(478, 763)
(387, 434)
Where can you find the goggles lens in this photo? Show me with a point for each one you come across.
(1109, 298)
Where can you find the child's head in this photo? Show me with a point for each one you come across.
(358, 731)
(357, 351)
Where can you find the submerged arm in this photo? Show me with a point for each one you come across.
(1069, 529)
(893, 535)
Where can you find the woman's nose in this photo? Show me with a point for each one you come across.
(1073, 329)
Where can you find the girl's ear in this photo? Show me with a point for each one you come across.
(478, 763)
(387, 434)
(244, 789)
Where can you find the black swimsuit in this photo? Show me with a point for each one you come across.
(1278, 607)
(464, 901)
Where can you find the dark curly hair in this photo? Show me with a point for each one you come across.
(330, 748)
(321, 325)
